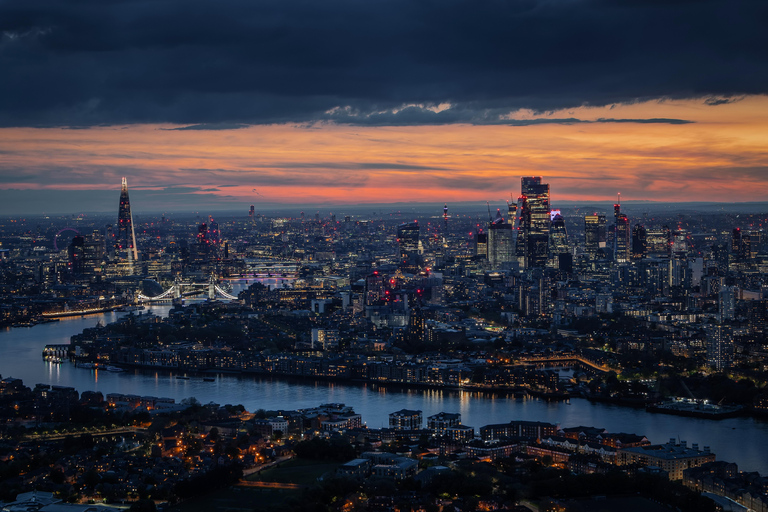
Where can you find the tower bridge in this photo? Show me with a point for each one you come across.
(181, 289)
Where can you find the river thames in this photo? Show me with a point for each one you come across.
(741, 440)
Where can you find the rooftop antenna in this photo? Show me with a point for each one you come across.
(488, 204)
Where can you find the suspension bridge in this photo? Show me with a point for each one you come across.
(181, 289)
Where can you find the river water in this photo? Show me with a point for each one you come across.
(740, 440)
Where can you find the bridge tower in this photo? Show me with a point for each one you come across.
(177, 288)
(211, 288)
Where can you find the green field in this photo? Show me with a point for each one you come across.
(296, 471)
(247, 499)
(237, 499)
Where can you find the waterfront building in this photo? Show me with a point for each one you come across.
(440, 422)
(671, 457)
(492, 450)
(525, 429)
(405, 419)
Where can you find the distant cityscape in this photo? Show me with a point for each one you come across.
(665, 312)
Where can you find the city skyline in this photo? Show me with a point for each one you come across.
(387, 102)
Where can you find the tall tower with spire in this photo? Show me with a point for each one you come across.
(126, 235)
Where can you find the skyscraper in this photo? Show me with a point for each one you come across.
(533, 235)
(408, 245)
(558, 244)
(639, 248)
(481, 243)
(621, 235)
(126, 236)
(720, 347)
(594, 235)
(499, 242)
(76, 254)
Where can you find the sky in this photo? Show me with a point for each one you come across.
(219, 105)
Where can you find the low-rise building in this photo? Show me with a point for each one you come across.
(672, 457)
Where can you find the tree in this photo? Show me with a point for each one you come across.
(144, 505)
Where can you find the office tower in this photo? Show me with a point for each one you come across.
(417, 327)
(202, 234)
(594, 235)
(639, 248)
(445, 216)
(680, 245)
(481, 243)
(560, 256)
(93, 253)
(736, 242)
(621, 235)
(201, 251)
(743, 243)
(408, 245)
(726, 303)
(523, 219)
(533, 235)
(512, 213)
(126, 236)
(558, 233)
(110, 241)
(76, 255)
(375, 293)
(658, 242)
(719, 259)
(251, 212)
(720, 347)
(214, 235)
(499, 242)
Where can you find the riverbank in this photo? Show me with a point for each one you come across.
(740, 439)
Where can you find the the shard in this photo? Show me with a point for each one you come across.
(125, 244)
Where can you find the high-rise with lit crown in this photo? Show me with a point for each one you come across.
(125, 244)
(622, 247)
(533, 235)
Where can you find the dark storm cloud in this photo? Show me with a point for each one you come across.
(210, 126)
(380, 62)
(713, 102)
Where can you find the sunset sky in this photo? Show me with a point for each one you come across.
(219, 105)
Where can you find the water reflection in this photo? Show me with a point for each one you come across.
(739, 439)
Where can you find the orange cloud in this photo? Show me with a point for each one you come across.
(721, 156)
